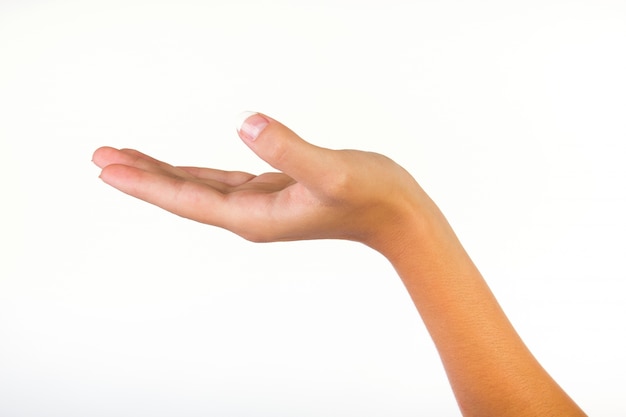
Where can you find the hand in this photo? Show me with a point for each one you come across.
(322, 193)
(319, 193)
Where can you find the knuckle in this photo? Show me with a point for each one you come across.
(339, 185)
(341, 179)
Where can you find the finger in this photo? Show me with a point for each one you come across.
(140, 155)
(104, 156)
(284, 150)
(231, 178)
(190, 199)
(107, 156)
(146, 162)
(223, 181)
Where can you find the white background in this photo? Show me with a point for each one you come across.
(512, 115)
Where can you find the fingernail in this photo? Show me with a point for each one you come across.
(250, 125)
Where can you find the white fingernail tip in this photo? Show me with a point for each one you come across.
(242, 117)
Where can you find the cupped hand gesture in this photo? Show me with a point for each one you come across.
(318, 193)
(362, 196)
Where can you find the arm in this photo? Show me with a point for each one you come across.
(491, 371)
(366, 197)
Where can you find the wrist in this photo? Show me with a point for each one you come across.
(417, 232)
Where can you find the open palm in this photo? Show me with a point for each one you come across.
(321, 193)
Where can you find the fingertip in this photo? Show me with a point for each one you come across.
(94, 155)
(119, 176)
(105, 173)
(242, 117)
(250, 125)
(101, 155)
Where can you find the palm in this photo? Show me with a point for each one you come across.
(256, 207)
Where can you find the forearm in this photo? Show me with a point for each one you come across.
(362, 196)
(491, 371)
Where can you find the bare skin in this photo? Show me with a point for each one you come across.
(320, 193)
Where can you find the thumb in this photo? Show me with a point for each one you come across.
(280, 147)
